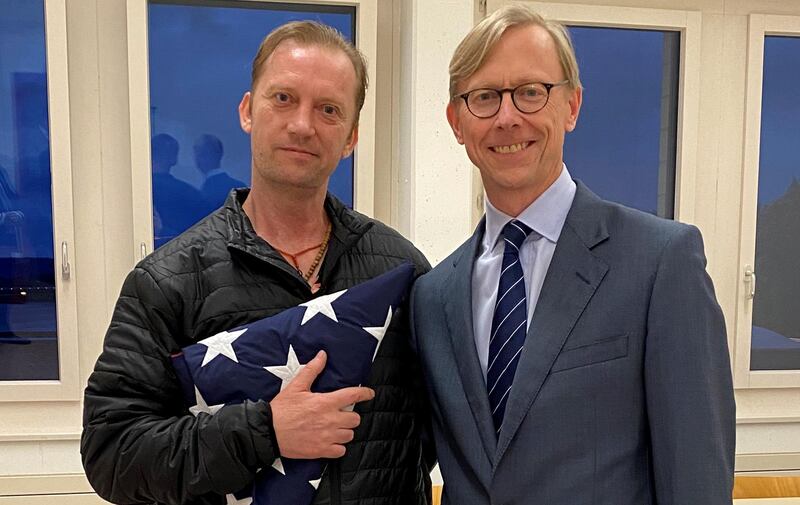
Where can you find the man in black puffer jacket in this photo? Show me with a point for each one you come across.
(140, 445)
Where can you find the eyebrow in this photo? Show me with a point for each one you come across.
(292, 89)
(513, 84)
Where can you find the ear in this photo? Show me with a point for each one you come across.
(245, 113)
(575, 100)
(351, 142)
(455, 122)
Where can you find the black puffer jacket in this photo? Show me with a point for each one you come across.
(139, 443)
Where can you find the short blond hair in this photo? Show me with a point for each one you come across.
(312, 33)
(471, 53)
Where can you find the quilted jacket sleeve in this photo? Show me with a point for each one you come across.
(139, 444)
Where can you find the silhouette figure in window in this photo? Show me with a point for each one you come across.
(177, 205)
(11, 219)
(218, 183)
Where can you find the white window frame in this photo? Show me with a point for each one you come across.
(759, 26)
(139, 99)
(688, 24)
(67, 387)
(40, 421)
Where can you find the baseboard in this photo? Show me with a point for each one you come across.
(55, 484)
(773, 463)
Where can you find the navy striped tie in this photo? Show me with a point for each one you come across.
(508, 323)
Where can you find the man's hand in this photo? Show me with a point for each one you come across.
(315, 425)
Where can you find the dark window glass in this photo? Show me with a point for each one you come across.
(776, 318)
(200, 60)
(624, 145)
(28, 339)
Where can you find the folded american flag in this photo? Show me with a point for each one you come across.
(257, 360)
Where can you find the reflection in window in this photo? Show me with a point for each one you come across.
(776, 318)
(200, 57)
(28, 342)
(624, 145)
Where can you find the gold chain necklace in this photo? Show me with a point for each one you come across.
(322, 246)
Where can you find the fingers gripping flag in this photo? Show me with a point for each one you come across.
(256, 361)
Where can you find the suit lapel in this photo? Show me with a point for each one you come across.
(458, 314)
(572, 278)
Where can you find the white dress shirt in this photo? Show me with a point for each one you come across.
(545, 216)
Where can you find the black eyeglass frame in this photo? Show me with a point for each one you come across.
(547, 85)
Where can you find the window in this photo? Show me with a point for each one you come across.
(38, 314)
(28, 334)
(775, 337)
(652, 59)
(200, 60)
(624, 146)
(766, 331)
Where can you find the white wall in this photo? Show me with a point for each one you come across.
(434, 176)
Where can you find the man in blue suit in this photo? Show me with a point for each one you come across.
(573, 348)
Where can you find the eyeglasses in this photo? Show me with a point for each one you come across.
(527, 98)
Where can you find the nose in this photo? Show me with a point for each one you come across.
(301, 122)
(508, 116)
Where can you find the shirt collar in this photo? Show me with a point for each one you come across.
(545, 215)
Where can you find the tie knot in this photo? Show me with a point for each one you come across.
(515, 232)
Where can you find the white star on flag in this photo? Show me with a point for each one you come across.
(315, 483)
(278, 465)
(202, 406)
(221, 344)
(380, 331)
(321, 305)
(231, 500)
(288, 371)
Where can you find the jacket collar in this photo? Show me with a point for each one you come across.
(347, 228)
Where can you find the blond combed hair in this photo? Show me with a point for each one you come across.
(471, 53)
(312, 33)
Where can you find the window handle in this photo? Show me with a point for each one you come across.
(750, 279)
(64, 261)
(142, 250)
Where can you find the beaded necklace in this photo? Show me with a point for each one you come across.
(322, 246)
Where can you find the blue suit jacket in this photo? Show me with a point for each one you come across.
(623, 394)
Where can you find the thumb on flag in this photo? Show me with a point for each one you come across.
(306, 377)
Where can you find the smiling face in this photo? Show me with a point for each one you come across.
(300, 116)
(519, 155)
